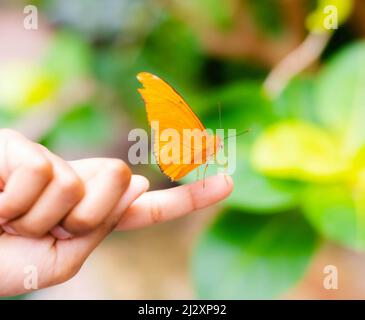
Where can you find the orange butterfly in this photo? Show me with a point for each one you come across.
(166, 108)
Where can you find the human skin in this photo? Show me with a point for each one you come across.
(54, 213)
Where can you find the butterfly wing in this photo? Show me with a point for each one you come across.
(166, 107)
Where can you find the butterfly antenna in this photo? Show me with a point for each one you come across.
(238, 134)
(220, 115)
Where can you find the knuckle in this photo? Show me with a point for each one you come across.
(156, 211)
(71, 187)
(81, 224)
(40, 165)
(118, 170)
(193, 200)
(10, 208)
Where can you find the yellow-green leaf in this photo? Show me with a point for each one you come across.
(328, 15)
(23, 86)
(298, 150)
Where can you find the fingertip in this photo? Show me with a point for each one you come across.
(140, 183)
(61, 233)
(221, 186)
(212, 190)
(10, 230)
(220, 182)
(228, 181)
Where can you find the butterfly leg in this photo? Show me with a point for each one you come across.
(205, 171)
(225, 171)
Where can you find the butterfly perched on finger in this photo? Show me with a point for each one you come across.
(169, 111)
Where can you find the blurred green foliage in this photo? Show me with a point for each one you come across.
(252, 257)
(300, 172)
(308, 146)
(85, 125)
(268, 15)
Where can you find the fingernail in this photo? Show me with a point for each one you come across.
(60, 233)
(9, 230)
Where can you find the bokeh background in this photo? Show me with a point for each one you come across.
(299, 201)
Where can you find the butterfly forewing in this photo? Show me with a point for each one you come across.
(168, 110)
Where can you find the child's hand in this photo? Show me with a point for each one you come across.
(40, 190)
(69, 208)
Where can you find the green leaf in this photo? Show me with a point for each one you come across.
(7, 118)
(341, 96)
(269, 196)
(243, 106)
(219, 13)
(84, 126)
(68, 57)
(268, 15)
(297, 101)
(252, 257)
(179, 46)
(333, 211)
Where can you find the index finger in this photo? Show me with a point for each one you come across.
(163, 205)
